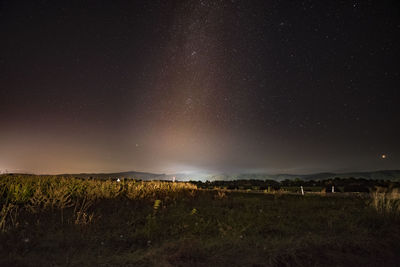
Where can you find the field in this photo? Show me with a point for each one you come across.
(53, 221)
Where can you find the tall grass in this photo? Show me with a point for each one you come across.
(43, 193)
(386, 201)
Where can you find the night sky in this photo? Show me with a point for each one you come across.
(184, 86)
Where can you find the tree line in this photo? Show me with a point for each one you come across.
(340, 184)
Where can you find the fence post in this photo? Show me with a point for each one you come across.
(302, 190)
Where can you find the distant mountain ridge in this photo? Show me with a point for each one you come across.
(374, 175)
(393, 175)
(129, 174)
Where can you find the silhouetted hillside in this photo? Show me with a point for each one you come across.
(392, 175)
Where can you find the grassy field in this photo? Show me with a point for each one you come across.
(52, 221)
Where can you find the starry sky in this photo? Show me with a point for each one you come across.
(196, 86)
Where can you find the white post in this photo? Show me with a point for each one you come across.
(333, 189)
(173, 179)
(302, 190)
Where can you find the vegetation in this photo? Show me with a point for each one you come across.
(341, 185)
(68, 221)
(386, 202)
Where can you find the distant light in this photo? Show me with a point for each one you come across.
(383, 156)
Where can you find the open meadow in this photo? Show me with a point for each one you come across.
(53, 221)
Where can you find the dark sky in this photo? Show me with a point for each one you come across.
(220, 86)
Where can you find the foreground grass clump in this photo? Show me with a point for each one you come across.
(105, 223)
(386, 201)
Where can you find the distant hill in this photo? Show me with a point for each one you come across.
(393, 175)
(375, 175)
(130, 175)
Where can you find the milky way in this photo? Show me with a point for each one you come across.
(220, 86)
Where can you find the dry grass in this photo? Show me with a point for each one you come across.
(386, 201)
(41, 194)
(48, 221)
(8, 216)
